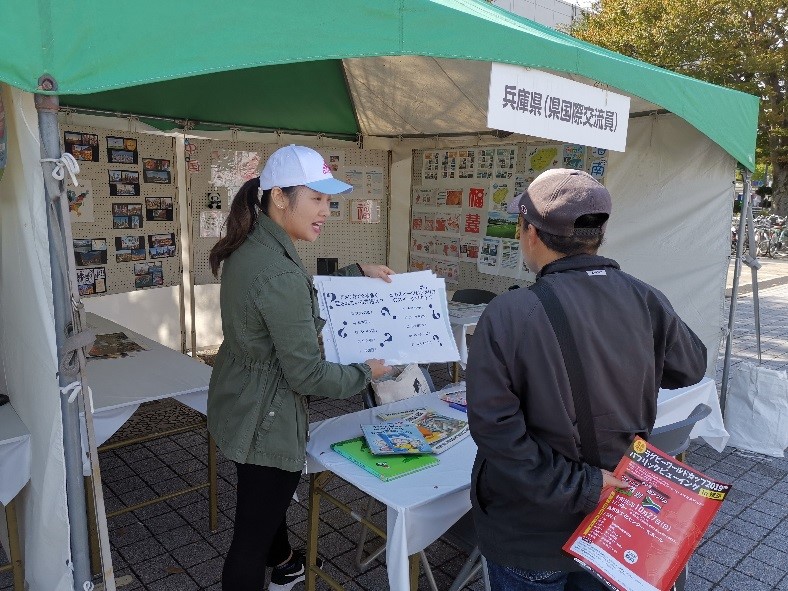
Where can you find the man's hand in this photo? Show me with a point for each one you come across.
(609, 482)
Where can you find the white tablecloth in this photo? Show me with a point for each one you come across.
(675, 405)
(422, 506)
(119, 386)
(14, 454)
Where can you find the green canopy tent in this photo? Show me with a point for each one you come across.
(373, 69)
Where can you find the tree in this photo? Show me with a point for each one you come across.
(739, 44)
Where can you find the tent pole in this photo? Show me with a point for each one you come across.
(745, 206)
(752, 261)
(47, 107)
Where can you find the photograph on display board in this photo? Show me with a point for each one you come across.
(129, 249)
(502, 225)
(121, 150)
(449, 198)
(156, 170)
(124, 183)
(161, 245)
(126, 215)
(150, 274)
(574, 156)
(80, 202)
(92, 281)
(82, 146)
(158, 209)
(90, 251)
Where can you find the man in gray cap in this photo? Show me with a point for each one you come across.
(552, 415)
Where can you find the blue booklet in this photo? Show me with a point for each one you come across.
(396, 437)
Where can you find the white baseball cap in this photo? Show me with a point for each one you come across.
(293, 165)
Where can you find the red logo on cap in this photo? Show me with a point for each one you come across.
(326, 169)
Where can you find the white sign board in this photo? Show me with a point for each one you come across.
(536, 103)
(405, 321)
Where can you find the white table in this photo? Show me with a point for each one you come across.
(422, 506)
(119, 386)
(14, 474)
(463, 318)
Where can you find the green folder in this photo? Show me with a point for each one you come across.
(386, 467)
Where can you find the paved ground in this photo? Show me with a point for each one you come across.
(168, 545)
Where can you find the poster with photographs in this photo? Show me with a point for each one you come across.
(129, 249)
(92, 281)
(121, 150)
(158, 209)
(149, 274)
(335, 160)
(449, 197)
(156, 170)
(90, 251)
(124, 183)
(161, 246)
(336, 210)
(126, 215)
(430, 165)
(574, 156)
(82, 146)
(505, 162)
(80, 202)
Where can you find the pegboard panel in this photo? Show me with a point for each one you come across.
(455, 189)
(124, 214)
(349, 242)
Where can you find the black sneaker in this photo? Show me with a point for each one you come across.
(285, 577)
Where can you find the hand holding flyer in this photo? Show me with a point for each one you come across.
(640, 538)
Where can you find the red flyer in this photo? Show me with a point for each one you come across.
(640, 538)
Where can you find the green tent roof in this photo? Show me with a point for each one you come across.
(275, 64)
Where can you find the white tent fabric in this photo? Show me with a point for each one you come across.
(27, 347)
(672, 198)
(401, 95)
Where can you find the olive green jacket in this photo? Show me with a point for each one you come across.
(270, 360)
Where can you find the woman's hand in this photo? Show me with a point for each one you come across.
(378, 367)
(378, 271)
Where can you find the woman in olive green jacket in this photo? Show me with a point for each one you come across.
(270, 360)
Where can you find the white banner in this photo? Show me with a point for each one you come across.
(536, 103)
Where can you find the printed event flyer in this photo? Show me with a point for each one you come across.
(640, 538)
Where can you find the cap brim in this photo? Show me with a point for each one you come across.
(514, 204)
(330, 187)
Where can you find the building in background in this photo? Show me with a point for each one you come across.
(553, 13)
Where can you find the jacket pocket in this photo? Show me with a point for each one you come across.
(478, 489)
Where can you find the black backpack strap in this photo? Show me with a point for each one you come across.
(574, 369)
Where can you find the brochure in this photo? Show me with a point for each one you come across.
(396, 437)
(113, 346)
(440, 432)
(640, 538)
(384, 467)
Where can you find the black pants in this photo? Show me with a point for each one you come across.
(260, 534)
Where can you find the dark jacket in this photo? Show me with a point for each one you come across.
(530, 486)
(270, 360)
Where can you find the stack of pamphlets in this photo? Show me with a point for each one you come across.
(395, 437)
(405, 321)
(454, 396)
(640, 538)
(440, 432)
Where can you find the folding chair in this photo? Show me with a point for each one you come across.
(674, 439)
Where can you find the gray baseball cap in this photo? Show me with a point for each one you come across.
(557, 197)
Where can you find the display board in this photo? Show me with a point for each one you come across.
(124, 213)
(459, 227)
(356, 231)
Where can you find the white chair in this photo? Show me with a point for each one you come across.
(674, 439)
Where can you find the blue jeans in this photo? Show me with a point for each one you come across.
(507, 578)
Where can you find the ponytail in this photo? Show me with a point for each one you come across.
(240, 221)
